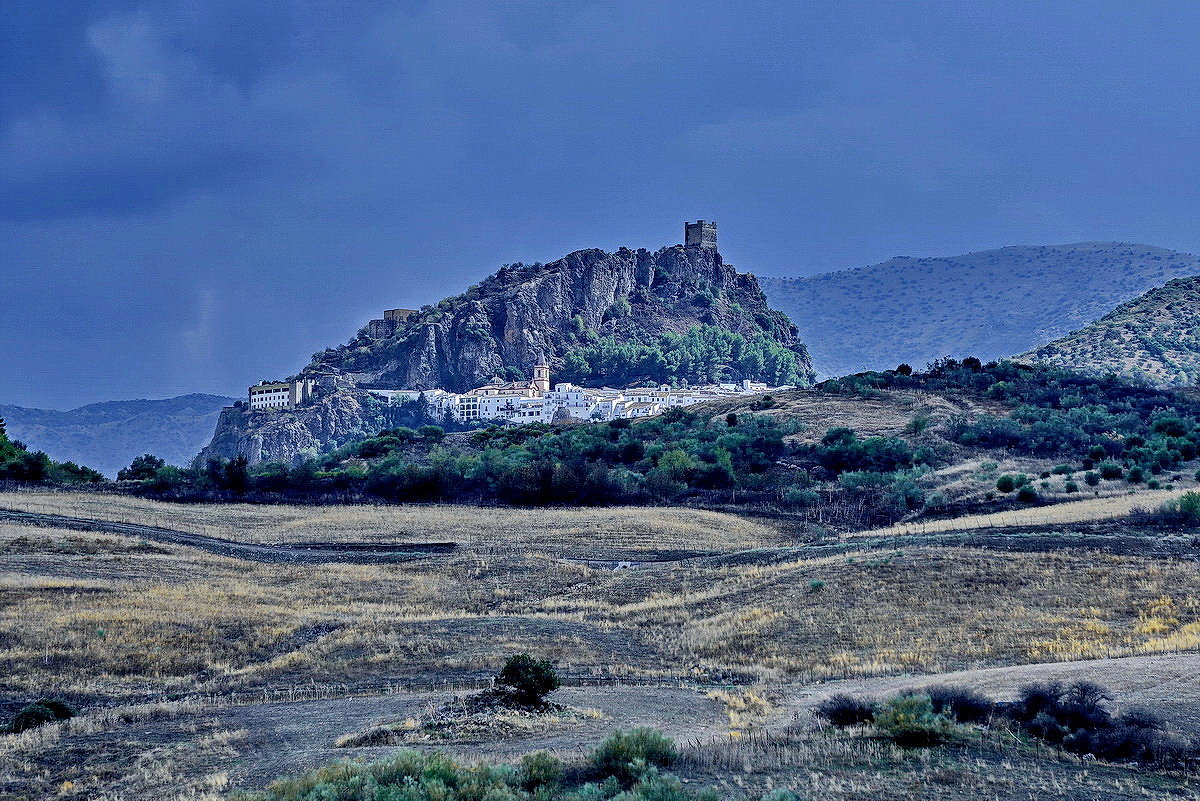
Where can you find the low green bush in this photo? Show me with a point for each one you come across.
(39, 713)
(629, 755)
(910, 720)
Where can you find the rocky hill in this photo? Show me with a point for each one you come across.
(677, 315)
(106, 436)
(1155, 337)
(988, 304)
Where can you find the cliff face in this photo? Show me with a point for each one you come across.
(515, 318)
(521, 315)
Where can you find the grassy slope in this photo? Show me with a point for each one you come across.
(1155, 336)
(988, 304)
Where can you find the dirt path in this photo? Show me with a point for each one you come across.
(300, 553)
(290, 738)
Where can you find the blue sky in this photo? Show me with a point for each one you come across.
(195, 196)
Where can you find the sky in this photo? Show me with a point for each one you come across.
(195, 196)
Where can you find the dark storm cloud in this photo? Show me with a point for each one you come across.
(196, 195)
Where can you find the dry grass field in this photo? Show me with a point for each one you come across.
(614, 529)
(1105, 507)
(106, 620)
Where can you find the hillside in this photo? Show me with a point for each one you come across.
(677, 315)
(1155, 337)
(988, 304)
(566, 312)
(106, 436)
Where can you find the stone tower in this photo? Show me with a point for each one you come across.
(700, 234)
(541, 378)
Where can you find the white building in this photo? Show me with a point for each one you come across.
(519, 403)
(281, 394)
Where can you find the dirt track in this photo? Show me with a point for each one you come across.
(299, 553)
(288, 738)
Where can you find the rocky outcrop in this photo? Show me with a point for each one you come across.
(514, 319)
(524, 314)
(335, 417)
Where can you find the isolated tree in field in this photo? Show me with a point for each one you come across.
(141, 468)
(528, 680)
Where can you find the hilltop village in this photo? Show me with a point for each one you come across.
(518, 403)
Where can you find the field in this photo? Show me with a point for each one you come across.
(186, 664)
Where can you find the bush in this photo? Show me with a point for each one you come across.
(1091, 479)
(1136, 475)
(910, 720)
(528, 680)
(628, 755)
(1184, 510)
(1009, 482)
(1027, 494)
(961, 703)
(1070, 486)
(540, 769)
(1110, 471)
(1063, 470)
(39, 713)
(844, 710)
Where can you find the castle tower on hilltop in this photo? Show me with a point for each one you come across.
(700, 234)
(541, 378)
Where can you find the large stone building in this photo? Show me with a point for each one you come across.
(700, 234)
(281, 394)
(390, 324)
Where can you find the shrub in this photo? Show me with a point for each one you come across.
(1009, 482)
(961, 703)
(816, 585)
(1153, 483)
(31, 717)
(40, 712)
(628, 755)
(844, 710)
(1071, 486)
(1184, 510)
(1091, 479)
(528, 680)
(910, 720)
(1136, 475)
(1063, 470)
(1027, 494)
(1110, 471)
(541, 769)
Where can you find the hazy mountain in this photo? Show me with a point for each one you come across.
(988, 304)
(1155, 337)
(596, 317)
(106, 436)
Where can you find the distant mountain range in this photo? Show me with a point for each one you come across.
(1155, 337)
(106, 436)
(989, 304)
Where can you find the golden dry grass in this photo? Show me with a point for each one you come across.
(103, 614)
(616, 528)
(1112, 507)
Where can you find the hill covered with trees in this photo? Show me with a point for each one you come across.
(678, 315)
(1155, 338)
(990, 304)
